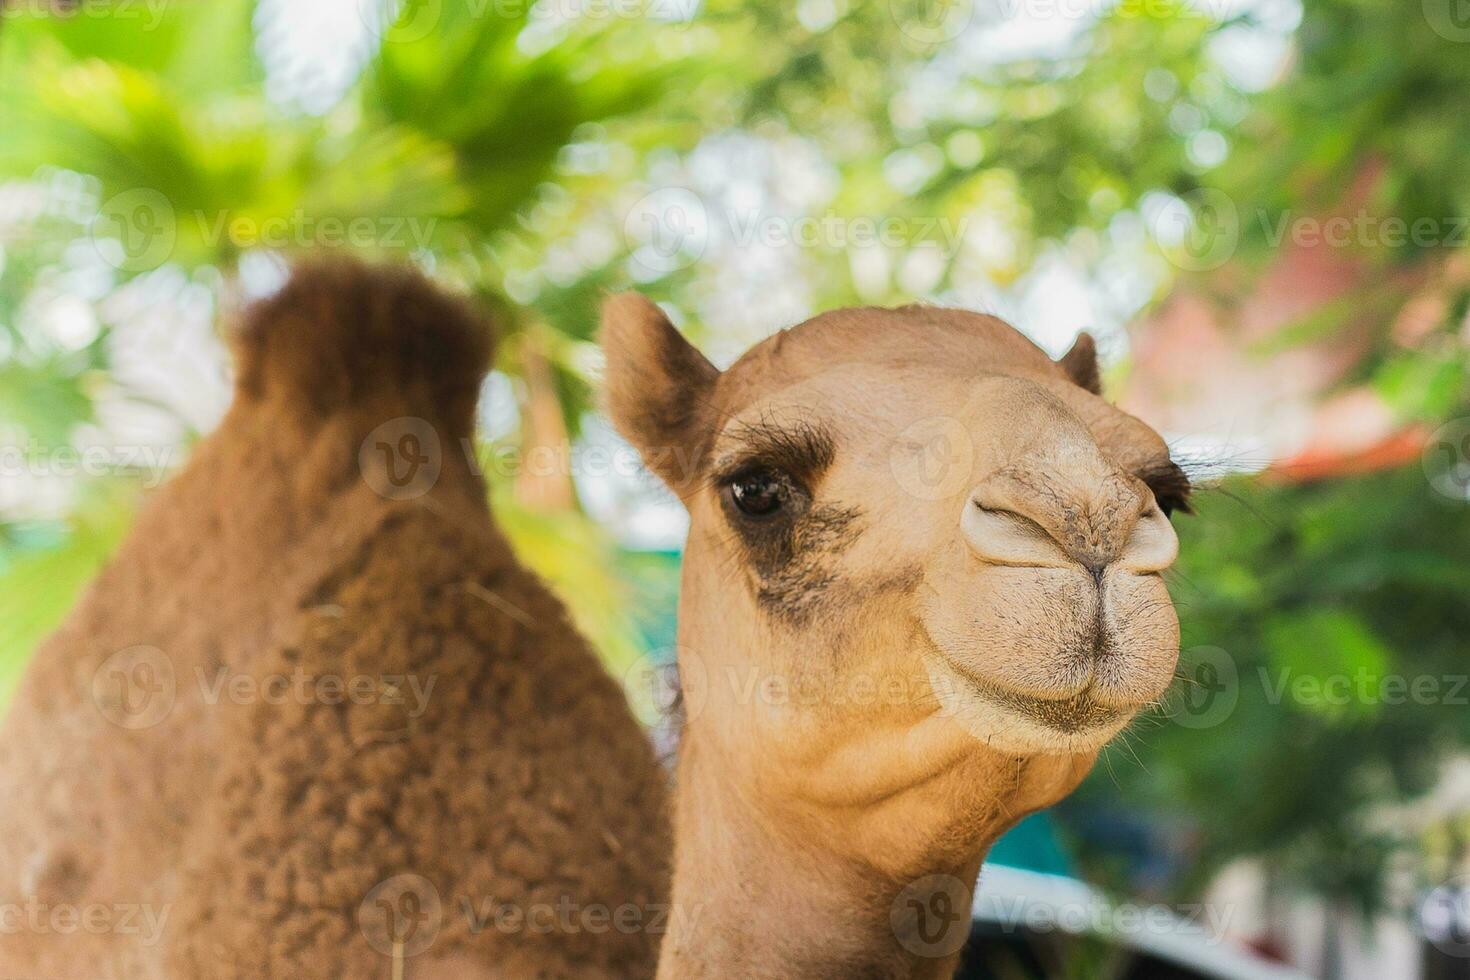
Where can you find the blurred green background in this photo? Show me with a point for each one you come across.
(1258, 206)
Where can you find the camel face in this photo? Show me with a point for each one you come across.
(1045, 623)
(903, 515)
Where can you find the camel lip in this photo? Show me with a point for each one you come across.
(1076, 713)
(1068, 714)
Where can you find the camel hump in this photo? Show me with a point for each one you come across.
(343, 334)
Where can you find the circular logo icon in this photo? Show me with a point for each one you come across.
(401, 21)
(1199, 231)
(136, 230)
(1210, 688)
(932, 21)
(1450, 19)
(401, 458)
(931, 916)
(651, 684)
(1446, 460)
(135, 688)
(933, 458)
(1445, 917)
(401, 916)
(657, 687)
(667, 230)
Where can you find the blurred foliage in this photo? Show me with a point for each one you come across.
(1339, 605)
(190, 164)
(511, 150)
(1331, 625)
(1371, 84)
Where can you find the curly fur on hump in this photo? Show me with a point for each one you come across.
(244, 831)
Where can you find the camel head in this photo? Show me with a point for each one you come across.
(922, 555)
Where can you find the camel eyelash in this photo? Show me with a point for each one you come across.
(802, 450)
(1171, 487)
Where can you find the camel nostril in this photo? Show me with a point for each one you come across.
(1005, 536)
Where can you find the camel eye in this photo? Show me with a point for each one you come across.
(760, 493)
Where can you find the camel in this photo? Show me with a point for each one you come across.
(314, 720)
(922, 589)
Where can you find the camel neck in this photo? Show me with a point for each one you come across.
(750, 901)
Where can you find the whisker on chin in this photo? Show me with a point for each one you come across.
(1107, 758)
(1173, 573)
(1123, 737)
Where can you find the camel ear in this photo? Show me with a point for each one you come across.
(1080, 363)
(657, 388)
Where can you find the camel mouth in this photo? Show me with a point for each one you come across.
(1075, 715)
(1072, 714)
(1045, 699)
(1081, 719)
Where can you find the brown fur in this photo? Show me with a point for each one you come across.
(260, 828)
